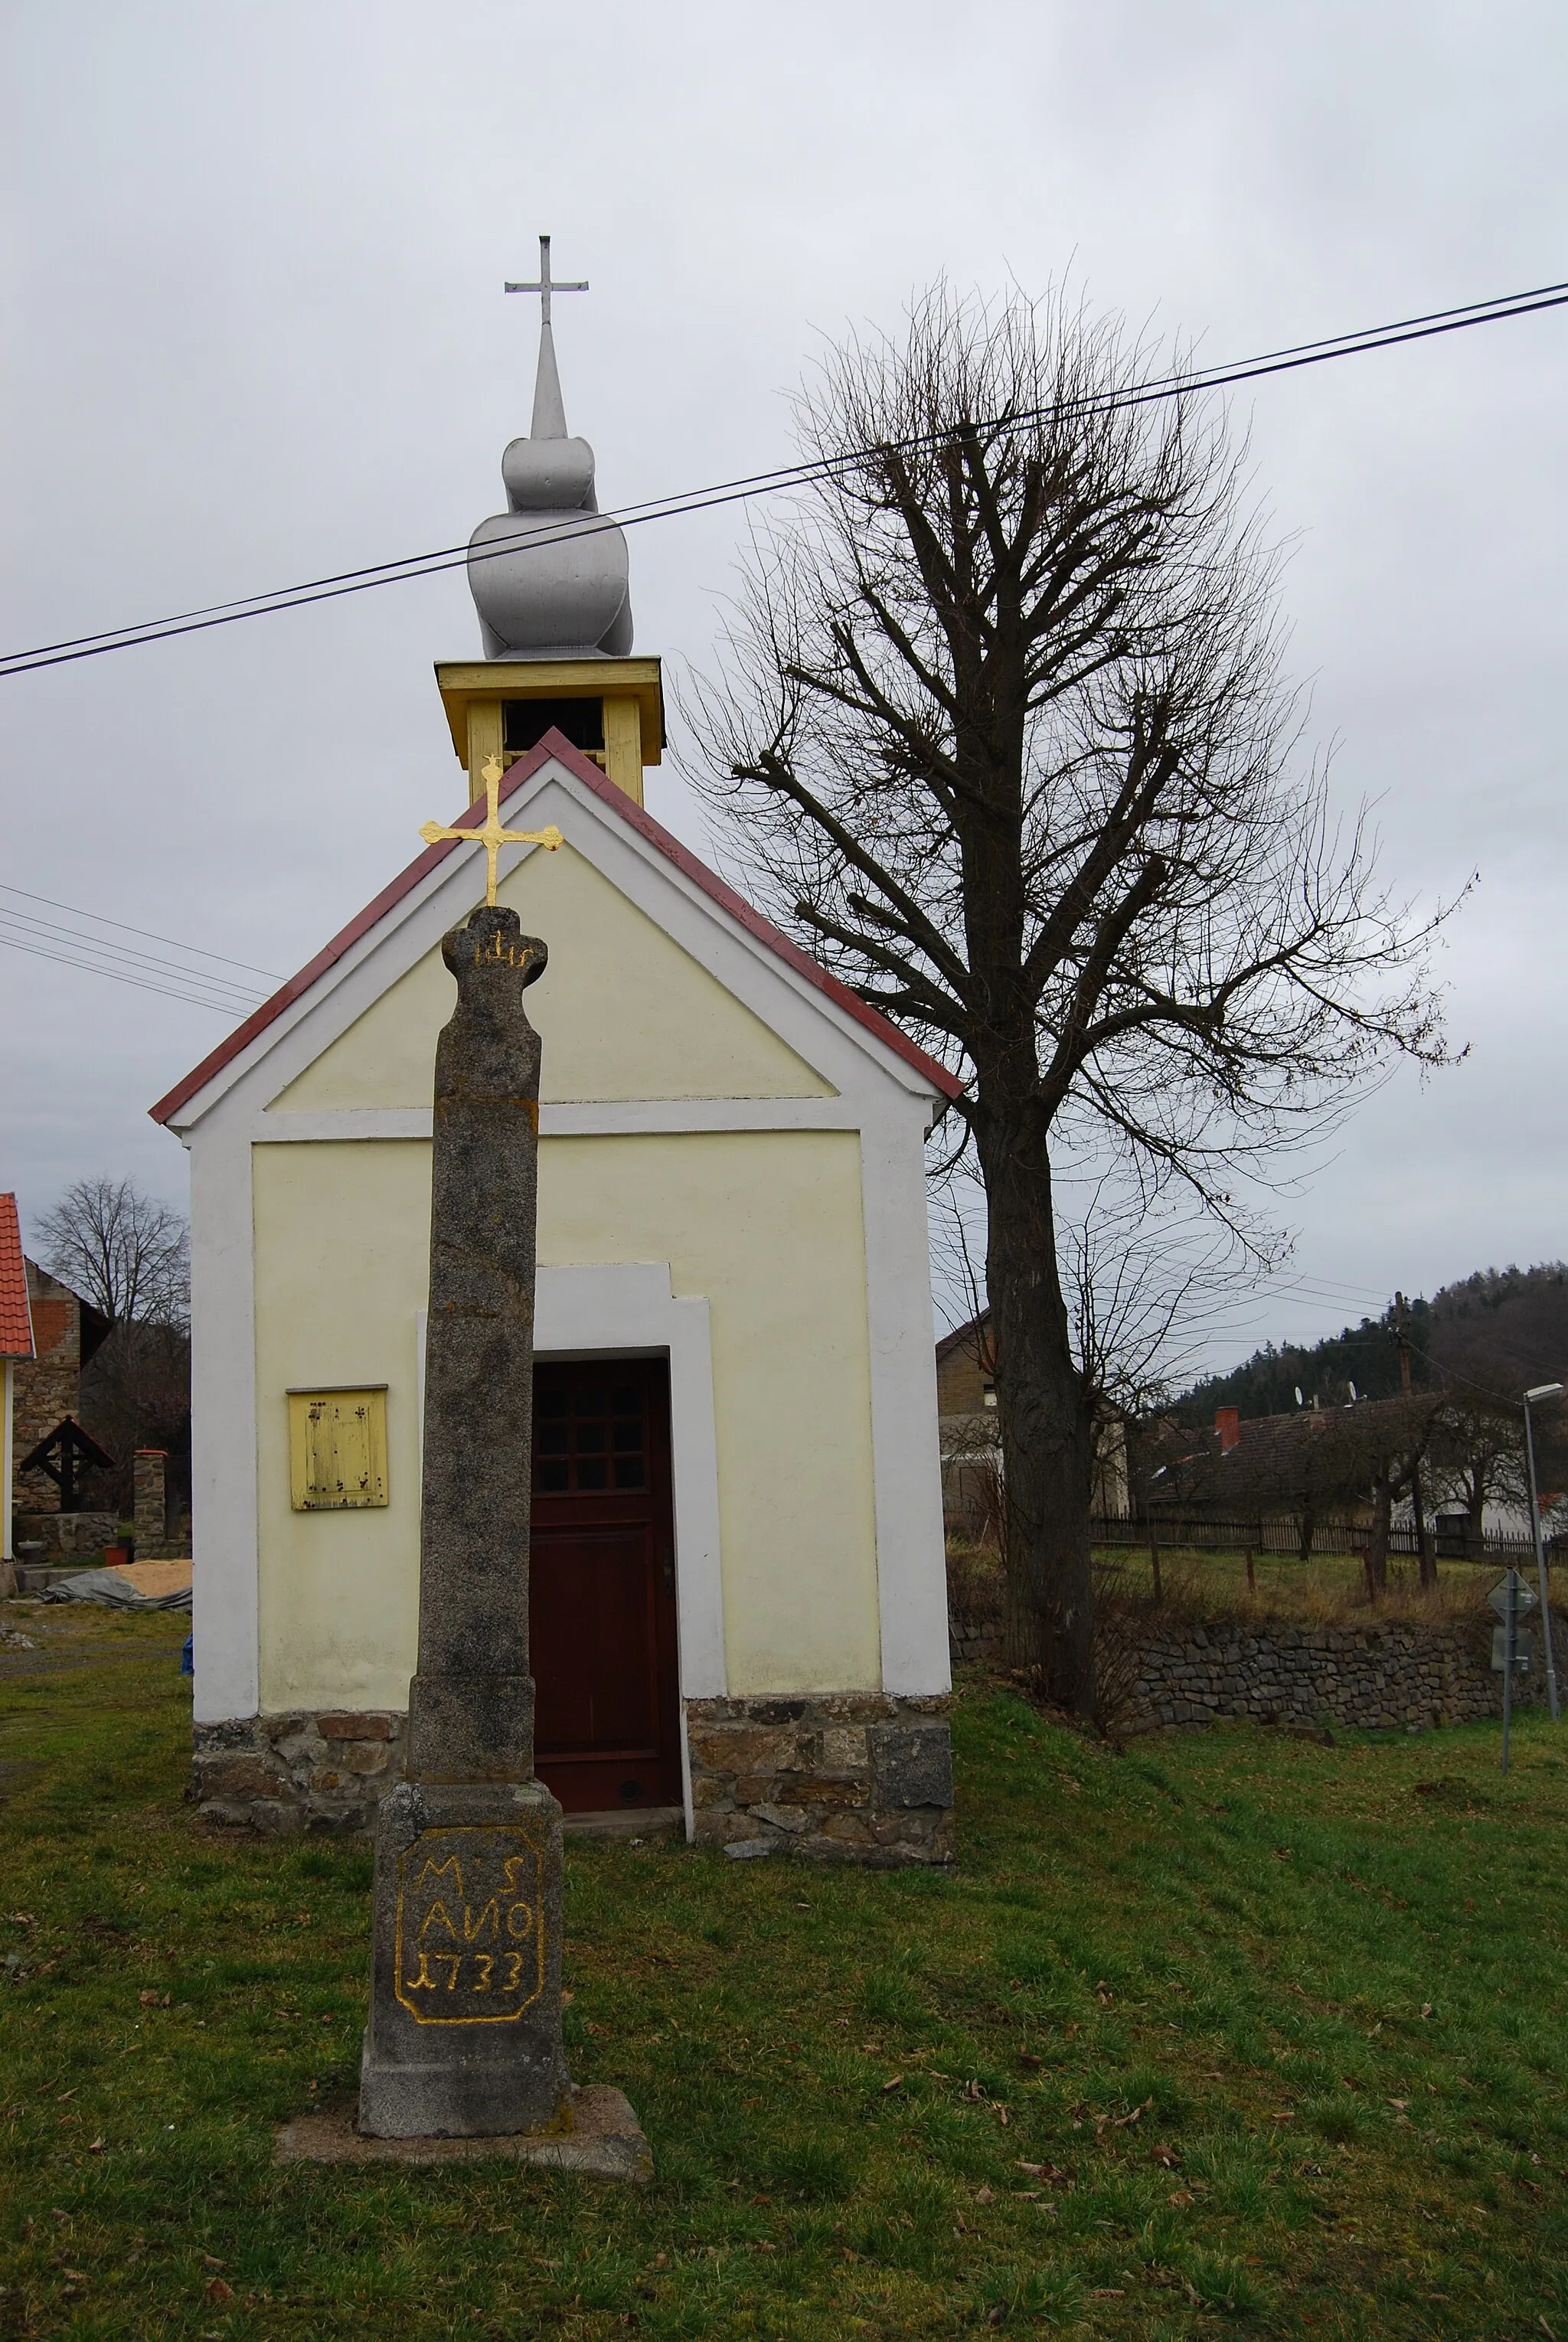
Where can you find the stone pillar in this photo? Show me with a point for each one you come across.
(150, 1503)
(465, 2032)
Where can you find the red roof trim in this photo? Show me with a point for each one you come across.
(553, 746)
(15, 1313)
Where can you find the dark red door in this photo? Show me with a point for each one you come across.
(602, 1601)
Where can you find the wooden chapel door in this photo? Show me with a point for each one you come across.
(601, 1597)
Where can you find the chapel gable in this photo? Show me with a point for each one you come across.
(627, 1014)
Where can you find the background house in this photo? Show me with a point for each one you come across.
(54, 1334)
(971, 1448)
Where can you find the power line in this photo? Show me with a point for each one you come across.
(77, 945)
(141, 983)
(342, 582)
(148, 935)
(99, 949)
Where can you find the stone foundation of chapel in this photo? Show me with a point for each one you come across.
(859, 1777)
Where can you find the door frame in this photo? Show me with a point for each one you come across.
(593, 1312)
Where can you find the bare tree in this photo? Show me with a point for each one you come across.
(1005, 727)
(1477, 1455)
(120, 1249)
(1389, 1439)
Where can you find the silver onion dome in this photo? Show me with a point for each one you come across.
(548, 578)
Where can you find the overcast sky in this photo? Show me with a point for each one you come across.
(255, 332)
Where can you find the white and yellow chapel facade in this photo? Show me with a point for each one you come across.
(737, 1581)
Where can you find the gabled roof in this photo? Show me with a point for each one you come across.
(971, 1335)
(15, 1318)
(554, 747)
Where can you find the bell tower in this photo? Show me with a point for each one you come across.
(549, 580)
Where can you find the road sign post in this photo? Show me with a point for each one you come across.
(1542, 1391)
(1509, 1599)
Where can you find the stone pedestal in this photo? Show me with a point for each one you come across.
(464, 2033)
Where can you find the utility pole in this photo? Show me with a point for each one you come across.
(1401, 1329)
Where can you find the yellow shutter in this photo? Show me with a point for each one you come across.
(338, 1448)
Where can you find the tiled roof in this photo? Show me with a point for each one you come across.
(16, 1318)
(556, 747)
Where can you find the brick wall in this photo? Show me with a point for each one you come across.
(961, 1380)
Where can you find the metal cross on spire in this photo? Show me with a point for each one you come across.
(546, 285)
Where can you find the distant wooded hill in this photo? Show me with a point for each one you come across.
(1496, 1332)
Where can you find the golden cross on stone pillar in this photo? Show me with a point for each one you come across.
(491, 835)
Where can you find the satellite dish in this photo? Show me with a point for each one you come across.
(1353, 1394)
(1299, 1399)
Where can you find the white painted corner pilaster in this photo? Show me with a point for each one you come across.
(226, 1618)
(911, 1555)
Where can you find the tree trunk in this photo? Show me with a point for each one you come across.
(1422, 1540)
(1377, 1551)
(1475, 1520)
(1045, 1418)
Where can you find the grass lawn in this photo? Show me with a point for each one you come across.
(1213, 1584)
(1231, 2033)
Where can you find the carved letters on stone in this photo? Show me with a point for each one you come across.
(470, 1936)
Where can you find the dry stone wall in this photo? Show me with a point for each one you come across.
(1376, 1676)
(1382, 1675)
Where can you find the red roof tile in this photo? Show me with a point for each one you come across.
(554, 744)
(16, 1318)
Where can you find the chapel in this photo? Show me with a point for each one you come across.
(738, 1597)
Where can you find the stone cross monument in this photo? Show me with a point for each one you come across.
(465, 2032)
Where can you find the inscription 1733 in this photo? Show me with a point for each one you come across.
(470, 1926)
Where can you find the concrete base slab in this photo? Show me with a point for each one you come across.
(646, 1822)
(605, 2141)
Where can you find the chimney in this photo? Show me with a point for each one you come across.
(1228, 1423)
